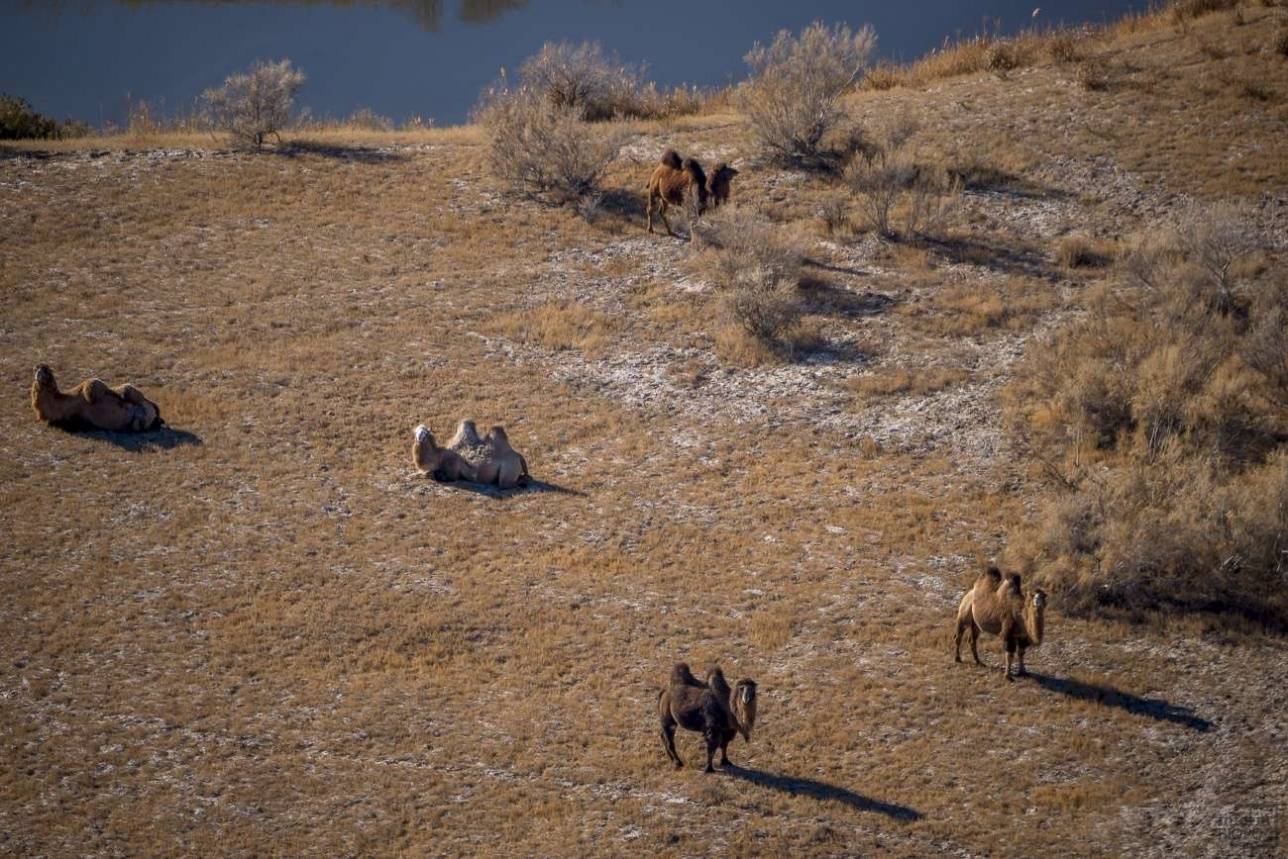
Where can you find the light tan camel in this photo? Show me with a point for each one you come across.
(997, 605)
(92, 405)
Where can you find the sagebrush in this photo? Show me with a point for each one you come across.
(254, 105)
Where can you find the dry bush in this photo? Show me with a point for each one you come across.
(583, 79)
(1279, 44)
(834, 210)
(1187, 10)
(883, 76)
(1064, 47)
(793, 99)
(1080, 251)
(900, 381)
(1091, 75)
(1162, 420)
(368, 120)
(255, 104)
(756, 267)
(19, 120)
(542, 148)
(888, 181)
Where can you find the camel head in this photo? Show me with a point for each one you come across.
(744, 707)
(45, 377)
(1039, 599)
(426, 454)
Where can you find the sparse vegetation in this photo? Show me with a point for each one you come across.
(887, 181)
(20, 121)
(1162, 420)
(793, 99)
(543, 148)
(756, 268)
(1081, 251)
(254, 105)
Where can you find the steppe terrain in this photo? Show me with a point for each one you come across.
(262, 633)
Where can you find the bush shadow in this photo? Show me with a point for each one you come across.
(821, 790)
(362, 154)
(1154, 708)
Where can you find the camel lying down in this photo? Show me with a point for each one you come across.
(92, 405)
(488, 459)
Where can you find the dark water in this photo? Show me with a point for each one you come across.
(402, 58)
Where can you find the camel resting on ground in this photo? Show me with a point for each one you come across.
(92, 405)
(711, 708)
(997, 605)
(467, 456)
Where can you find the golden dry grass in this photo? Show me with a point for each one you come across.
(280, 641)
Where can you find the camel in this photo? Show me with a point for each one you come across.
(718, 184)
(92, 405)
(673, 181)
(710, 708)
(467, 456)
(997, 605)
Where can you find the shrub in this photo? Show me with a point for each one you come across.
(1280, 43)
(1185, 10)
(19, 120)
(1064, 48)
(584, 79)
(1161, 418)
(1091, 75)
(756, 267)
(1079, 251)
(793, 98)
(368, 120)
(255, 104)
(886, 179)
(542, 148)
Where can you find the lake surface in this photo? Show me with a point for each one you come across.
(431, 58)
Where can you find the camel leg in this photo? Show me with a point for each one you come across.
(957, 640)
(662, 213)
(974, 642)
(1010, 656)
(713, 742)
(649, 209)
(668, 741)
(724, 749)
(1022, 672)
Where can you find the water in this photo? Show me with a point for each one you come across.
(430, 58)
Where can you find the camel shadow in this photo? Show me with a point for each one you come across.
(822, 791)
(533, 487)
(1154, 708)
(165, 438)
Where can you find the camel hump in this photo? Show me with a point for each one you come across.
(671, 158)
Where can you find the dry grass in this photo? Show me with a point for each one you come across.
(279, 641)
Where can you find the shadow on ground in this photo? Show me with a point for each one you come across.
(823, 791)
(534, 487)
(1154, 708)
(166, 438)
(363, 154)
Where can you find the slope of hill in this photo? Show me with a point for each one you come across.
(261, 632)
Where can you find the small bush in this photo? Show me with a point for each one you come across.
(254, 105)
(1162, 419)
(1079, 251)
(887, 181)
(1186, 10)
(19, 120)
(368, 120)
(793, 99)
(1064, 48)
(756, 267)
(600, 86)
(542, 148)
(1091, 75)
(1280, 43)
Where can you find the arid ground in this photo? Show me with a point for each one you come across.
(260, 632)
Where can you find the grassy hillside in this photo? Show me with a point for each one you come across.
(261, 632)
